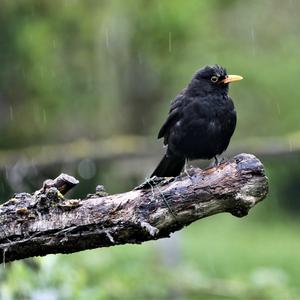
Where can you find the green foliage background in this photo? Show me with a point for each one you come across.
(92, 69)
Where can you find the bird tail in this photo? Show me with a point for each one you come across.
(169, 166)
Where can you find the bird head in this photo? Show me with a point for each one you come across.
(212, 79)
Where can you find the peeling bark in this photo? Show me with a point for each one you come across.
(46, 222)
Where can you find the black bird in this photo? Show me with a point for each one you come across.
(201, 121)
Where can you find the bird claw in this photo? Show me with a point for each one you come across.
(218, 161)
(153, 181)
(186, 172)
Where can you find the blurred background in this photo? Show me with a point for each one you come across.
(84, 88)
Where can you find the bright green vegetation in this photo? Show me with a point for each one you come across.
(220, 257)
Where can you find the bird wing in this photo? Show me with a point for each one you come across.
(232, 120)
(173, 117)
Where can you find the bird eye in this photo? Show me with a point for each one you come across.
(214, 79)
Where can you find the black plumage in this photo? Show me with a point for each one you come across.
(201, 121)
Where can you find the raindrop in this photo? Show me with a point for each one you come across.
(42, 72)
(278, 108)
(3, 257)
(252, 34)
(106, 38)
(170, 41)
(291, 145)
(54, 44)
(44, 116)
(33, 167)
(87, 169)
(6, 172)
(11, 113)
(253, 39)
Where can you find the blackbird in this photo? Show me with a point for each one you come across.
(201, 121)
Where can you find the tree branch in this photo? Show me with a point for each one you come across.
(45, 222)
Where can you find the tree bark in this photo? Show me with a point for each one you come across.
(45, 222)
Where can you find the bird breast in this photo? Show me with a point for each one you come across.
(203, 130)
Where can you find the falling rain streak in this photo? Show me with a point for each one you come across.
(107, 38)
(278, 108)
(44, 116)
(42, 72)
(170, 41)
(291, 145)
(6, 172)
(11, 113)
(253, 40)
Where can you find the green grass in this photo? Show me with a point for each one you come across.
(220, 257)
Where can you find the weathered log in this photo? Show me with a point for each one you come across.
(46, 222)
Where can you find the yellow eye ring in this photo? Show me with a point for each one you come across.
(214, 79)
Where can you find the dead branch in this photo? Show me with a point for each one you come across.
(46, 222)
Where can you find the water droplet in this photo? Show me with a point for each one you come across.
(6, 172)
(170, 41)
(291, 145)
(106, 38)
(42, 72)
(278, 108)
(11, 113)
(44, 116)
(253, 39)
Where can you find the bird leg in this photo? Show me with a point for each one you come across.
(186, 170)
(216, 161)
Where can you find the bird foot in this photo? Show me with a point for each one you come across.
(153, 181)
(218, 161)
(187, 173)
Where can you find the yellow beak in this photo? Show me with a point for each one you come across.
(231, 78)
